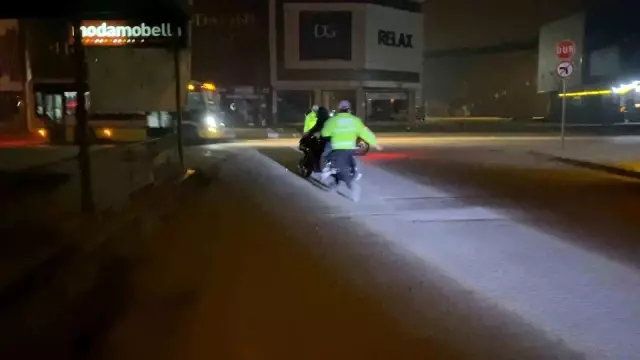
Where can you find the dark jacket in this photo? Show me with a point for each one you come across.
(323, 115)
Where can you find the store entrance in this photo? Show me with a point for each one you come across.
(387, 106)
(56, 102)
(331, 98)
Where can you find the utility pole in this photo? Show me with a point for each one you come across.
(82, 128)
(179, 86)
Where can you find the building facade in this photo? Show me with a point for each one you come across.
(12, 78)
(230, 48)
(367, 52)
(493, 81)
(481, 60)
(35, 57)
(605, 85)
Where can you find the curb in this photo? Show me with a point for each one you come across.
(609, 169)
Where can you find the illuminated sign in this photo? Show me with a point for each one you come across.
(119, 33)
(205, 86)
(625, 88)
(587, 93)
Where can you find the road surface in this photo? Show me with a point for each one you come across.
(459, 249)
(558, 245)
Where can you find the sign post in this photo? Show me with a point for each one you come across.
(82, 126)
(564, 71)
(565, 50)
(179, 86)
(563, 120)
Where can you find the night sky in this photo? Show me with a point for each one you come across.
(451, 24)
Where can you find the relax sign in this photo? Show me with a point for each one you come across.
(395, 39)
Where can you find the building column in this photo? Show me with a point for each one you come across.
(361, 104)
(274, 106)
(411, 103)
(325, 99)
(317, 97)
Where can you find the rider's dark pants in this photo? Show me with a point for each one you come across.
(344, 161)
(327, 151)
(316, 147)
(325, 154)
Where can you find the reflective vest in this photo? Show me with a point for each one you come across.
(310, 121)
(344, 129)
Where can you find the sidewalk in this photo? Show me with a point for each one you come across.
(78, 266)
(615, 155)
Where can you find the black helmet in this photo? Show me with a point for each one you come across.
(323, 113)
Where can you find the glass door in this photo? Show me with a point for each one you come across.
(50, 106)
(387, 106)
(331, 98)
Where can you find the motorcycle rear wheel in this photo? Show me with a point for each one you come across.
(303, 169)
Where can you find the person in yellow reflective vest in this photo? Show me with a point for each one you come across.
(311, 140)
(310, 119)
(343, 130)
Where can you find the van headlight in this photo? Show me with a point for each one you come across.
(210, 121)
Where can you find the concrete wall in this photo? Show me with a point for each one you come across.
(488, 84)
(230, 42)
(12, 78)
(455, 24)
(402, 23)
(129, 80)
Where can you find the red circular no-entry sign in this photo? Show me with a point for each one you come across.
(565, 49)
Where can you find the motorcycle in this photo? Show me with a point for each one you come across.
(308, 164)
(362, 148)
(334, 173)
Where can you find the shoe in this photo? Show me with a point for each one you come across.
(327, 172)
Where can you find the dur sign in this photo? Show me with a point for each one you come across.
(565, 50)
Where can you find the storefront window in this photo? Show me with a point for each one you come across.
(387, 106)
(39, 104)
(245, 109)
(57, 107)
(54, 101)
(630, 106)
(9, 105)
(293, 105)
(70, 102)
(331, 98)
(48, 105)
